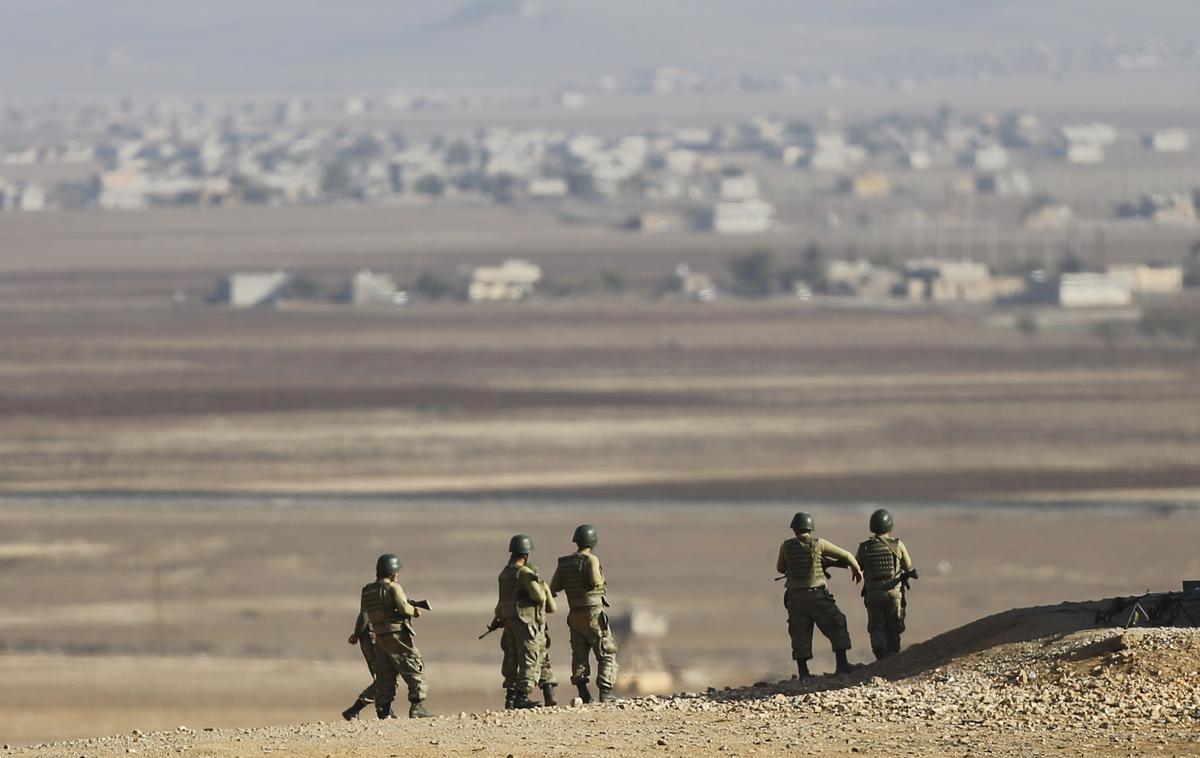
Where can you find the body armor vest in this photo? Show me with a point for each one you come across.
(383, 612)
(513, 596)
(803, 563)
(881, 563)
(574, 573)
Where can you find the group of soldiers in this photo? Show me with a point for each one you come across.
(383, 629)
(882, 564)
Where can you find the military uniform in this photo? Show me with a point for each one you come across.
(389, 614)
(884, 560)
(579, 575)
(546, 679)
(522, 611)
(362, 630)
(807, 598)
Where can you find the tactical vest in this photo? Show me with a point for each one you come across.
(513, 597)
(881, 562)
(575, 576)
(803, 563)
(383, 611)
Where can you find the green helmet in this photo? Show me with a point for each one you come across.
(387, 564)
(585, 535)
(881, 522)
(520, 544)
(802, 522)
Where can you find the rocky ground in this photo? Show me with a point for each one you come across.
(1028, 682)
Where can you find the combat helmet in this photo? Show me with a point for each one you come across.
(802, 522)
(387, 564)
(520, 544)
(881, 522)
(585, 536)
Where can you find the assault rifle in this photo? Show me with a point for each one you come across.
(905, 576)
(422, 604)
(496, 624)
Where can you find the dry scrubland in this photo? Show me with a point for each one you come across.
(130, 599)
(106, 386)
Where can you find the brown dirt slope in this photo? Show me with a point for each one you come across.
(1031, 681)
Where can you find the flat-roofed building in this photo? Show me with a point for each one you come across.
(251, 289)
(512, 280)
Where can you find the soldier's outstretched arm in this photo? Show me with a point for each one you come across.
(556, 583)
(406, 607)
(905, 559)
(781, 561)
(830, 550)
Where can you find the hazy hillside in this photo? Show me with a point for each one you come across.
(54, 45)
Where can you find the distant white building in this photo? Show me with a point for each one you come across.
(743, 217)
(990, 158)
(1099, 134)
(1167, 141)
(548, 188)
(919, 160)
(366, 287)
(1091, 290)
(1083, 152)
(251, 289)
(1149, 280)
(740, 187)
(512, 280)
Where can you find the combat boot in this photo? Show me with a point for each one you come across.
(843, 666)
(352, 712)
(384, 710)
(607, 696)
(548, 695)
(881, 653)
(521, 701)
(509, 697)
(584, 694)
(802, 671)
(416, 710)
(893, 643)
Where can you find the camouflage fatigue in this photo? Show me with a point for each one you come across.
(885, 619)
(807, 599)
(362, 630)
(389, 613)
(396, 656)
(590, 634)
(521, 608)
(884, 559)
(580, 576)
(524, 646)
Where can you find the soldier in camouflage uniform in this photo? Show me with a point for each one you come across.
(580, 576)
(546, 679)
(521, 610)
(362, 637)
(390, 615)
(807, 598)
(886, 566)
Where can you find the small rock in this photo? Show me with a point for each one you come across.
(577, 702)
(662, 742)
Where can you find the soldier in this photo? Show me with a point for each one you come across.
(362, 637)
(580, 576)
(390, 615)
(887, 567)
(521, 610)
(807, 598)
(546, 678)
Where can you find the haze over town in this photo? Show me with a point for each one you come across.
(285, 284)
